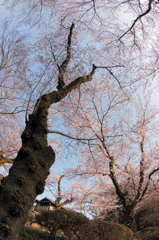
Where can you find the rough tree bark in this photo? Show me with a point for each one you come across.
(30, 169)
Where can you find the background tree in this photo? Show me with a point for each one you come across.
(61, 198)
(13, 65)
(74, 193)
(117, 140)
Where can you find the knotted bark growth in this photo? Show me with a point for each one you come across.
(27, 176)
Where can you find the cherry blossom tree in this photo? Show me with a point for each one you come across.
(76, 193)
(76, 51)
(13, 65)
(61, 197)
(117, 140)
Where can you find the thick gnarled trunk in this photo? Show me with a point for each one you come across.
(27, 175)
(20, 188)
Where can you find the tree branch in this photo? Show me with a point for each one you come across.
(63, 66)
(139, 17)
(140, 194)
(61, 93)
(65, 202)
(4, 160)
(108, 69)
(57, 201)
(148, 182)
(68, 136)
(115, 182)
